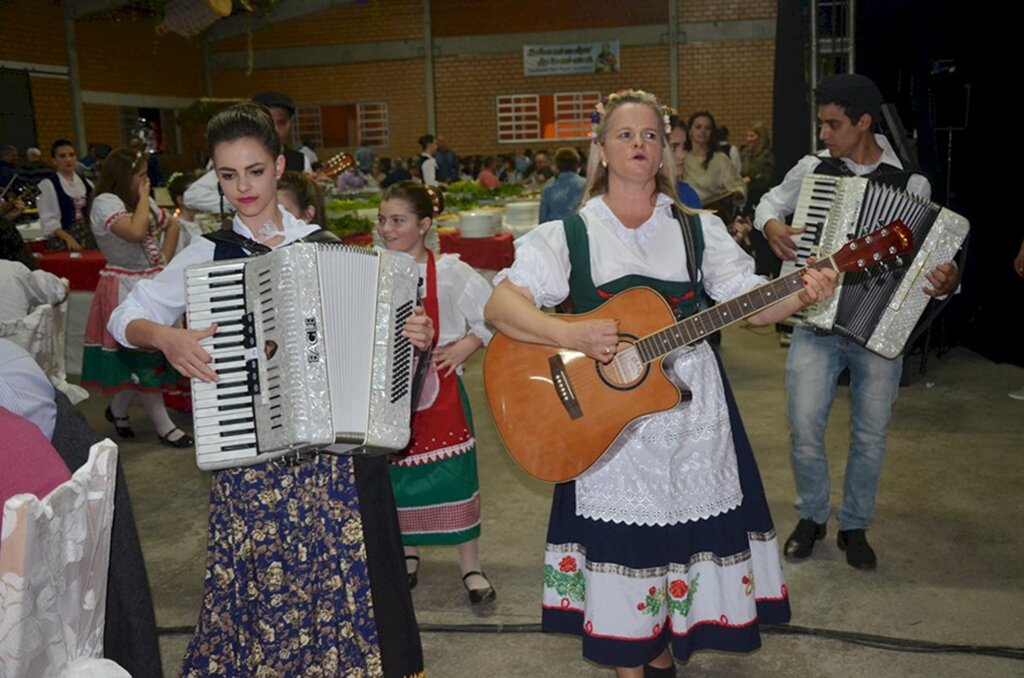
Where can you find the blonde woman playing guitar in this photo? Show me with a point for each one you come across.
(666, 546)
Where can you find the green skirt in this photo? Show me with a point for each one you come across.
(121, 368)
(439, 501)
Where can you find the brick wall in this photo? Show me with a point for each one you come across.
(51, 99)
(472, 17)
(128, 57)
(725, 10)
(732, 80)
(399, 83)
(33, 32)
(466, 88)
(117, 52)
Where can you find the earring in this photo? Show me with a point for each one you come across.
(604, 163)
(661, 165)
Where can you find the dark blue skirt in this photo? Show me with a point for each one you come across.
(631, 591)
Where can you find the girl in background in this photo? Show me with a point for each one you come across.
(301, 197)
(435, 479)
(125, 222)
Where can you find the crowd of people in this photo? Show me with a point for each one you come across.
(629, 547)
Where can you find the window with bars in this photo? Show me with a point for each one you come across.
(343, 125)
(540, 117)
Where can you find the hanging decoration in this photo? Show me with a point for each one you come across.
(191, 17)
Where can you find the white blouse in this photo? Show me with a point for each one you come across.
(670, 467)
(462, 294)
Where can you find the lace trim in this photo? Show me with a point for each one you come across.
(672, 467)
(436, 455)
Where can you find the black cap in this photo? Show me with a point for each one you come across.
(271, 99)
(853, 91)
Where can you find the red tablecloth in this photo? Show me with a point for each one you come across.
(494, 253)
(83, 272)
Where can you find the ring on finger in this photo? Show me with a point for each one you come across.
(607, 349)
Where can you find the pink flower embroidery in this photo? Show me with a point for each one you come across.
(641, 607)
(652, 591)
(678, 588)
(566, 602)
(567, 564)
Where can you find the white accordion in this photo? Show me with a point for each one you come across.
(309, 351)
(877, 311)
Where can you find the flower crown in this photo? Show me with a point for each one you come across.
(435, 198)
(599, 112)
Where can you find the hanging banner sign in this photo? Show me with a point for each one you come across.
(577, 57)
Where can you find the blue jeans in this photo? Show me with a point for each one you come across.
(812, 370)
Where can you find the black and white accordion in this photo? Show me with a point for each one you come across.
(309, 351)
(877, 311)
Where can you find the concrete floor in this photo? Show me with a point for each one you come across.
(947, 534)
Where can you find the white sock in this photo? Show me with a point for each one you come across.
(154, 404)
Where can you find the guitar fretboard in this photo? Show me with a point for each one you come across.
(700, 325)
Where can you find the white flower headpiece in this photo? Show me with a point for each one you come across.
(600, 109)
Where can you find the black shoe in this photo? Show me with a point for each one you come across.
(121, 424)
(801, 542)
(185, 440)
(413, 579)
(859, 553)
(656, 672)
(479, 596)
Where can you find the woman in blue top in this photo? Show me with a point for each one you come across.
(677, 145)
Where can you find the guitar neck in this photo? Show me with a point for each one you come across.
(709, 321)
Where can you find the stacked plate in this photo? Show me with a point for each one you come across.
(480, 223)
(521, 217)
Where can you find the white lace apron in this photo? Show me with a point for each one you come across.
(671, 467)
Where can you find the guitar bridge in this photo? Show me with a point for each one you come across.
(563, 387)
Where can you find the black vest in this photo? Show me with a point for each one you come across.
(67, 206)
(294, 161)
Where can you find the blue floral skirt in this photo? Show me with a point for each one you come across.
(299, 580)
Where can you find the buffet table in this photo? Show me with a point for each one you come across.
(82, 269)
(488, 254)
(83, 274)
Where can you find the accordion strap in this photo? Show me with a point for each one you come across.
(232, 238)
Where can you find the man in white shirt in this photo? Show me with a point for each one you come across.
(848, 106)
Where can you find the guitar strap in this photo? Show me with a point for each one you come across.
(689, 224)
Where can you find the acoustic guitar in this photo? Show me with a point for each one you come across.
(558, 410)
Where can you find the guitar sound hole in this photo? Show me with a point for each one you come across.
(626, 371)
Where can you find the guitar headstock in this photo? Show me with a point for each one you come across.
(892, 240)
(338, 164)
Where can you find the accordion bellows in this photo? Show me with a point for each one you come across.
(876, 310)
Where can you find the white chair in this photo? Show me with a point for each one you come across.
(43, 334)
(54, 555)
